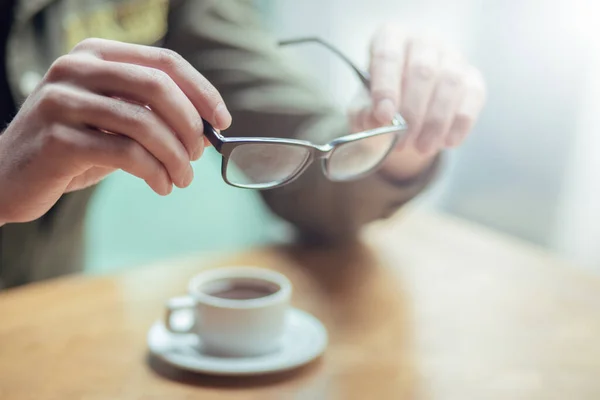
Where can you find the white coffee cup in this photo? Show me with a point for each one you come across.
(238, 311)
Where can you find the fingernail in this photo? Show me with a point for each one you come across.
(166, 188)
(222, 117)
(198, 152)
(385, 110)
(189, 176)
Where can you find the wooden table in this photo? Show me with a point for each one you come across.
(429, 308)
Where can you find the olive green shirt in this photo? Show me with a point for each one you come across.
(265, 93)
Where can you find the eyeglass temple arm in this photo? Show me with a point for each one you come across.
(217, 140)
(362, 75)
(214, 137)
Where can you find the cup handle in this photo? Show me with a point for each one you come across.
(177, 304)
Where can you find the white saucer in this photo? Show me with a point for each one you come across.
(304, 340)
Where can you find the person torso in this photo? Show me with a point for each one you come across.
(43, 30)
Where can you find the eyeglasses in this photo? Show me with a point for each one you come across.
(266, 163)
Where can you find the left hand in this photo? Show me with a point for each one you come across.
(438, 93)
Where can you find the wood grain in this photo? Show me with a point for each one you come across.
(427, 307)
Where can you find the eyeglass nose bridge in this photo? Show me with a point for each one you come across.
(323, 153)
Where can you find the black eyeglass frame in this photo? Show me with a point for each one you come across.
(226, 145)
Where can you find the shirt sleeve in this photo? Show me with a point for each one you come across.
(268, 95)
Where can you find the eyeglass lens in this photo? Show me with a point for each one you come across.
(268, 164)
(257, 164)
(355, 158)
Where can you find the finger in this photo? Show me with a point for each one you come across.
(418, 84)
(132, 120)
(89, 178)
(366, 118)
(448, 92)
(203, 95)
(386, 67)
(362, 119)
(90, 148)
(469, 108)
(143, 85)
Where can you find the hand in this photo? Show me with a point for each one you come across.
(438, 93)
(105, 106)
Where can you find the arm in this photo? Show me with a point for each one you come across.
(267, 96)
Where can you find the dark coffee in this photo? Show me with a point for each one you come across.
(240, 289)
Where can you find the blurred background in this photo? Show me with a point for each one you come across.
(530, 168)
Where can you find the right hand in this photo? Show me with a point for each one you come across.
(105, 106)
